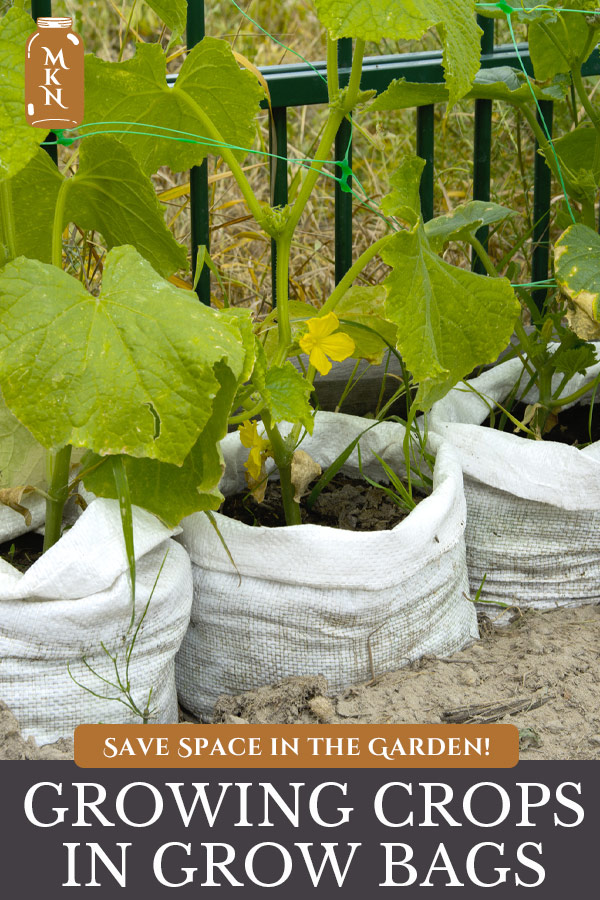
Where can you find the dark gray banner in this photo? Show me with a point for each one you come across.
(232, 833)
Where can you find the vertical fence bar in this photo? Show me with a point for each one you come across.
(482, 143)
(279, 178)
(199, 213)
(343, 200)
(542, 198)
(425, 149)
(44, 8)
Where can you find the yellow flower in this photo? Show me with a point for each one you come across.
(258, 446)
(321, 342)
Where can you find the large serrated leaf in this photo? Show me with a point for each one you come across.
(18, 140)
(577, 265)
(210, 87)
(501, 83)
(361, 312)
(172, 492)
(464, 222)
(547, 59)
(284, 390)
(35, 189)
(174, 15)
(130, 371)
(22, 458)
(109, 193)
(404, 201)
(524, 11)
(576, 153)
(449, 319)
(374, 20)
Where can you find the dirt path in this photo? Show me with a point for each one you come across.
(541, 673)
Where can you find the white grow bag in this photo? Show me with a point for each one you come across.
(533, 507)
(313, 599)
(77, 595)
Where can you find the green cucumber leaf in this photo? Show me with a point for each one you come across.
(173, 492)
(449, 319)
(361, 312)
(35, 190)
(130, 371)
(525, 11)
(576, 153)
(22, 458)
(18, 140)
(284, 390)
(210, 88)
(575, 360)
(464, 222)
(500, 83)
(242, 320)
(109, 193)
(173, 13)
(577, 266)
(404, 201)
(571, 34)
(374, 20)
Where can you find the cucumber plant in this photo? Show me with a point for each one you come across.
(560, 42)
(137, 372)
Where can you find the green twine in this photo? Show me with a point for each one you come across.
(276, 41)
(188, 137)
(347, 176)
(509, 10)
(542, 119)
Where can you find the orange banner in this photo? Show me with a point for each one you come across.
(297, 746)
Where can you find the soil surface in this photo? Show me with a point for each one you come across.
(541, 672)
(23, 551)
(571, 426)
(345, 502)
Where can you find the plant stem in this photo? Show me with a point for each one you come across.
(583, 97)
(57, 227)
(333, 85)
(127, 30)
(355, 270)
(229, 157)
(482, 253)
(58, 462)
(8, 218)
(283, 245)
(576, 395)
(247, 414)
(336, 117)
(283, 460)
(58, 493)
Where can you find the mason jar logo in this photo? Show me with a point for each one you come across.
(54, 75)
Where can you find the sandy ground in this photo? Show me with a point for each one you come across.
(14, 746)
(541, 673)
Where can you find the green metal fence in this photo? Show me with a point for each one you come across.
(299, 85)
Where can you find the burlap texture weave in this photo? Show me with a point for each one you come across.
(311, 599)
(77, 595)
(533, 507)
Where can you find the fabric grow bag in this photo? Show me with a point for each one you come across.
(311, 599)
(533, 507)
(77, 595)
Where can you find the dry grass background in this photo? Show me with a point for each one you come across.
(238, 248)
